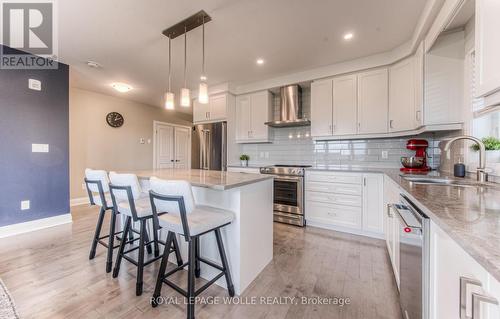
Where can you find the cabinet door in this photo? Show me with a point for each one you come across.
(165, 146)
(321, 108)
(218, 107)
(243, 111)
(260, 114)
(182, 147)
(373, 102)
(449, 262)
(373, 203)
(200, 111)
(345, 102)
(487, 47)
(402, 96)
(419, 85)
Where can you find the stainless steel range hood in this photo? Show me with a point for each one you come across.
(290, 108)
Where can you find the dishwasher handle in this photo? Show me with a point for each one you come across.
(403, 210)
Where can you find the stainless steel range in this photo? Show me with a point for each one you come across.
(288, 193)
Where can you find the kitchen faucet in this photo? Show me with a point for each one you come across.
(482, 176)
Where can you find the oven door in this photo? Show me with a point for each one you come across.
(288, 195)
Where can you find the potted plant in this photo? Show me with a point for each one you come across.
(492, 145)
(244, 160)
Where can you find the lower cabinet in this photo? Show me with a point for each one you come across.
(457, 280)
(391, 224)
(350, 202)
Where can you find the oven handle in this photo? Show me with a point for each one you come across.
(287, 179)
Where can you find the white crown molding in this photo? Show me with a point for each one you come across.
(21, 228)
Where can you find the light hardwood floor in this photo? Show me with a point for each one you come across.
(49, 275)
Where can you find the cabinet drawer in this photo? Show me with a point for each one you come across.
(339, 199)
(334, 214)
(328, 177)
(338, 188)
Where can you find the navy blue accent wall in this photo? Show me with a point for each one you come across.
(40, 117)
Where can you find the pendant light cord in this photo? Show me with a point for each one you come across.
(203, 48)
(169, 64)
(185, 54)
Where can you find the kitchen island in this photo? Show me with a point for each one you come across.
(248, 240)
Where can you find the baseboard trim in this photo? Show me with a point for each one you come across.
(26, 227)
(78, 201)
(314, 223)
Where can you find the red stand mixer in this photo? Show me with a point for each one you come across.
(417, 163)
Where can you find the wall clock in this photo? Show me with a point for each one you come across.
(114, 119)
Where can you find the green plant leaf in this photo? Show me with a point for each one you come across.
(490, 143)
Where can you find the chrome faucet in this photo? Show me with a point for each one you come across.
(482, 176)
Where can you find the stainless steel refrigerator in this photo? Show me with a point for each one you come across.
(209, 146)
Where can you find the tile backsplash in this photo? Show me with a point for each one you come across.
(295, 146)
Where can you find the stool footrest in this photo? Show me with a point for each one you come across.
(208, 262)
(208, 284)
(175, 287)
(133, 261)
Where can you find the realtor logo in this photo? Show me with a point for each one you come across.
(28, 26)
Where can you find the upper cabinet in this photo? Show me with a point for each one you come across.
(252, 111)
(487, 49)
(322, 108)
(402, 92)
(214, 110)
(373, 101)
(345, 102)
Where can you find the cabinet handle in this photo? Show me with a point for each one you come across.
(389, 212)
(417, 115)
(476, 303)
(390, 123)
(333, 129)
(364, 181)
(464, 282)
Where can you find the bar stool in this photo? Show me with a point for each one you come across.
(97, 184)
(191, 221)
(129, 200)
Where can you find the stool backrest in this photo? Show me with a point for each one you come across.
(172, 188)
(125, 180)
(97, 181)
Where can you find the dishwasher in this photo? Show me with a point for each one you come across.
(414, 251)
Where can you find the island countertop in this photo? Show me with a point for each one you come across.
(217, 180)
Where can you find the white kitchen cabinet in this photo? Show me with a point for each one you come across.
(321, 108)
(419, 85)
(487, 47)
(345, 102)
(391, 224)
(214, 110)
(402, 96)
(373, 203)
(373, 101)
(252, 111)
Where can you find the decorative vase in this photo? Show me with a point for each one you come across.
(244, 163)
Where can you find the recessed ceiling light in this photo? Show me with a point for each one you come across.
(260, 61)
(348, 36)
(93, 64)
(121, 87)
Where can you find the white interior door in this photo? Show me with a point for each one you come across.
(182, 147)
(164, 146)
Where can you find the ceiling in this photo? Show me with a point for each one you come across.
(124, 36)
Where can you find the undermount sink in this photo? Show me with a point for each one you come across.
(442, 181)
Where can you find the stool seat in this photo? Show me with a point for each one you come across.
(200, 220)
(142, 206)
(107, 198)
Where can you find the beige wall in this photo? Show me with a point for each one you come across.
(93, 143)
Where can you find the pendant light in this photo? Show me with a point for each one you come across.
(185, 98)
(203, 88)
(169, 96)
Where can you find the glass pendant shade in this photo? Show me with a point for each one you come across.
(185, 98)
(203, 93)
(169, 101)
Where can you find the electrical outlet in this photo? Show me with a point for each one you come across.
(25, 204)
(385, 154)
(34, 85)
(40, 148)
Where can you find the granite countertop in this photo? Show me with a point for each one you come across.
(469, 215)
(202, 178)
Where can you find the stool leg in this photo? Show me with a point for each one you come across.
(146, 239)
(163, 267)
(97, 233)
(118, 261)
(111, 241)
(176, 249)
(197, 269)
(191, 278)
(140, 260)
(220, 245)
(156, 227)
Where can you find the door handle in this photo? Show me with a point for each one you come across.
(477, 299)
(464, 282)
